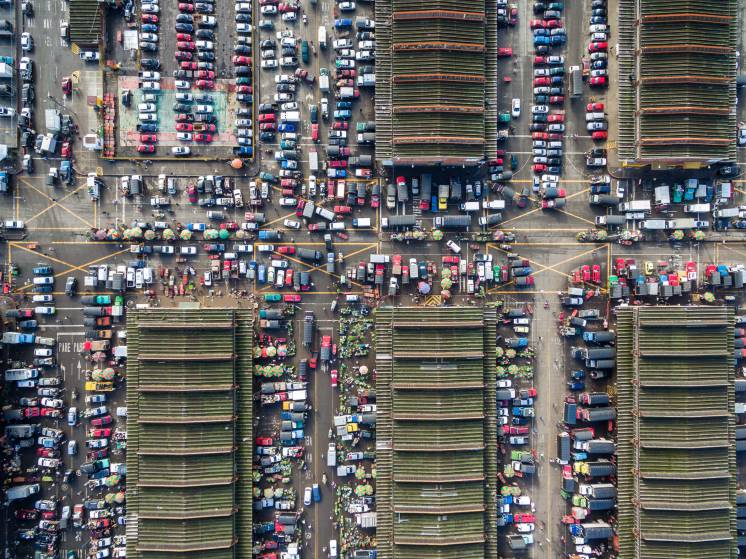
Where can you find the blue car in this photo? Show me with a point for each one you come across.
(150, 27)
(286, 127)
(28, 324)
(149, 127)
(262, 277)
(342, 23)
(344, 104)
(267, 136)
(243, 150)
(42, 270)
(541, 41)
(344, 114)
(316, 493)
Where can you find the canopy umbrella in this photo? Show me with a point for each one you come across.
(363, 370)
(360, 473)
(127, 234)
(99, 356)
(282, 350)
(271, 351)
(437, 234)
(699, 235)
(168, 234)
(423, 287)
(709, 297)
(445, 272)
(109, 371)
(119, 497)
(185, 235)
(100, 235)
(149, 235)
(224, 234)
(236, 163)
(446, 283)
(114, 234)
(445, 294)
(109, 498)
(136, 233)
(240, 234)
(211, 234)
(111, 481)
(677, 235)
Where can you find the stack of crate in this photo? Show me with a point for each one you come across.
(110, 119)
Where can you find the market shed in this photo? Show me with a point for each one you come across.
(189, 488)
(435, 392)
(677, 81)
(436, 82)
(676, 459)
(86, 22)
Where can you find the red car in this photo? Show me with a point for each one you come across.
(340, 125)
(597, 81)
(267, 127)
(505, 51)
(598, 47)
(184, 127)
(586, 272)
(266, 117)
(346, 73)
(183, 37)
(230, 226)
(537, 24)
(205, 138)
(148, 138)
(540, 60)
(27, 514)
(67, 86)
(100, 523)
(188, 65)
(291, 298)
(206, 74)
(25, 313)
(66, 151)
(289, 277)
(523, 517)
(239, 60)
(554, 23)
(146, 148)
(209, 127)
(557, 100)
(186, 8)
(244, 89)
(192, 193)
(542, 81)
(183, 55)
(556, 118)
(185, 45)
(101, 421)
(46, 452)
(149, 18)
(342, 209)
(99, 433)
(49, 412)
(338, 163)
(333, 374)
(264, 441)
(205, 84)
(287, 7)
(594, 107)
(540, 168)
(600, 135)
(596, 274)
(315, 132)
(284, 249)
(539, 136)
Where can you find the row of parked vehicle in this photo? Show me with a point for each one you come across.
(242, 68)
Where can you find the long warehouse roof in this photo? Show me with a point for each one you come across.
(186, 418)
(436, 409)
(435, 89)
(677, 80)
(676, 433)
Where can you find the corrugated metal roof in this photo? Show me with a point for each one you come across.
(438, 409)
(185, 416)
(86, 22)
(675, 455)
(677, 80)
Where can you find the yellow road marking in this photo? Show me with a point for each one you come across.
(55, 203)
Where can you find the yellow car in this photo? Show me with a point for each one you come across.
(649, 268)
(442, 204)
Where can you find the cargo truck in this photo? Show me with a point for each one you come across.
(596, 468)
(453, 221)
(398, 221)
(597, 490)
(596, 446)
(308, 329)
(563, 448)
(594, 399)
(601, 337)
(597, 414)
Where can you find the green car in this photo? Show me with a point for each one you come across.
(513, 162)
(272, 297)
(103, 300)
(304, 51)
(267, 176)
(504, 116)
(119, 301)
(72, 554)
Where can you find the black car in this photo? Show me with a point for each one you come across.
(242, 70)
(245, 98)
(183, 74)
(266, 44)
(729, 171)
(266, 108)
(205, 34)
(242, 49)
(147, 127)
(184, 18)
(147, 45)
(150, 63)
(206, 55)
(267, 136)
(208, 118)
(285, 88)
(204, 8)
(184, 27)
(243, 18)
(182, 108)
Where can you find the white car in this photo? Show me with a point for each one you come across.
(268, 10)
(147, 107)
(307, 496)
(516, 108)
(150, 86)
(205, 109)
(504, 383)
(182, 84)
(138, 278)
(55, 403)
(342, 44)
(181, 151)
(291, 224)
(346, 6)
(184, 136)
(243, 7)
(243, 27)
(456, 249)
(271, 63)
(150, 37)
(539, 109)
(150, 8)
(7, 111)
(289, 16)
(184, 97)
(150, 75)
(265, 248)
(243, 122)
(598, 28)
(292, 106)
(188, 250)
(279, 97)
(205, 45)
(287, 202)
(27, 42)
(284, 78)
